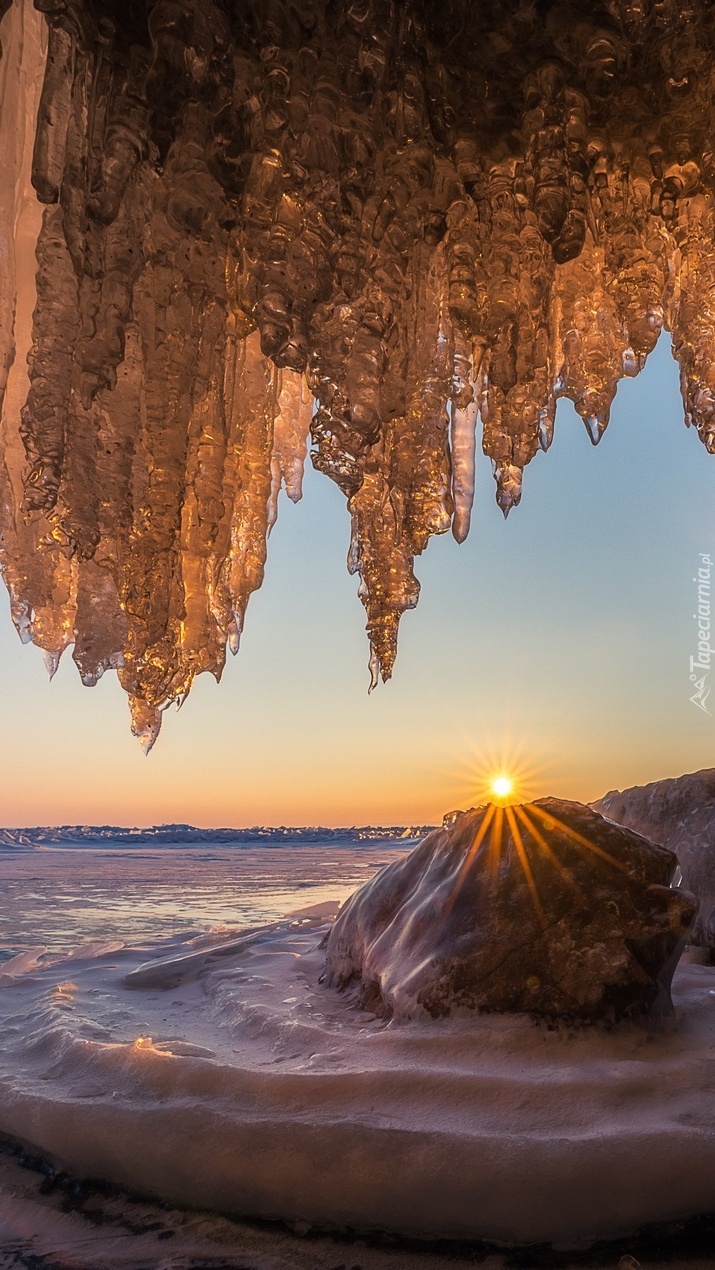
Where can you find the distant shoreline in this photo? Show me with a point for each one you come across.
(179, 835)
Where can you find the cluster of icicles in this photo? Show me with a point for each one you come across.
(225, 226)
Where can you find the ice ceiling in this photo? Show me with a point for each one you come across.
(239, 222)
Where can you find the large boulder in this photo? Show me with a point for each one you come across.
(679, 813)
(546, 908)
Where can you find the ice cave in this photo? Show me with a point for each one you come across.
(235, 233)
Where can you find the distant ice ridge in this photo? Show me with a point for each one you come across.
(216, 1071)
(172, 835)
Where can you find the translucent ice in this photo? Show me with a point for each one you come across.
(365, 221)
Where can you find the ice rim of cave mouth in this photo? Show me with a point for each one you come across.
(230, 233)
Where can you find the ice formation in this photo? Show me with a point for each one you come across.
(362, 219)
(680, 813)
(545, 908)
(214, 1071)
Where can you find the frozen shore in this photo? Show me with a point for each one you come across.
(215, 1072)
(50, 1226)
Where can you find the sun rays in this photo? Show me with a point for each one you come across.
(524, 860)
(502, 773)
(526, 826)
(500, 782)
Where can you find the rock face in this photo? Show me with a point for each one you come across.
(679, 813)
(546, 908)
(240, 222)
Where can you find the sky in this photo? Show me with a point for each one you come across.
(554, 645)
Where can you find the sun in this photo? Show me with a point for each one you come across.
(501, 786)
(499, 772)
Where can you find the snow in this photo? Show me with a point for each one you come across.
(105, 1230)
(215, 1071)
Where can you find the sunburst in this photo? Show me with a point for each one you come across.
(502, 786)
(504, 775)
(525, 826)
(474, 766)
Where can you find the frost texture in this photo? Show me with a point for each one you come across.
(367, 221)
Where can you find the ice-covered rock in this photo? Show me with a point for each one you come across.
(680, 813)
(544, 908)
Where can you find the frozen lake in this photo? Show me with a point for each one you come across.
(62, 897)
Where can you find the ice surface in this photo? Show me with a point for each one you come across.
(104, 1229)
(228, 1078)
(250, 223)
(107, 892)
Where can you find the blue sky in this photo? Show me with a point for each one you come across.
(556, 643)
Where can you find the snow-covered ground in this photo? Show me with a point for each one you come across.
(215, 1071)
(210, 1069)
(46, 1226)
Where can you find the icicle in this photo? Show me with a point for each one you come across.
(53, 118)
(463, 445)
(547, 417)
(145, 722)
(508, 478)
(100, 624)
(291, 429)
(21, 74)
(249, 237)
(595, 427)
(52, 661)
(248, 477)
